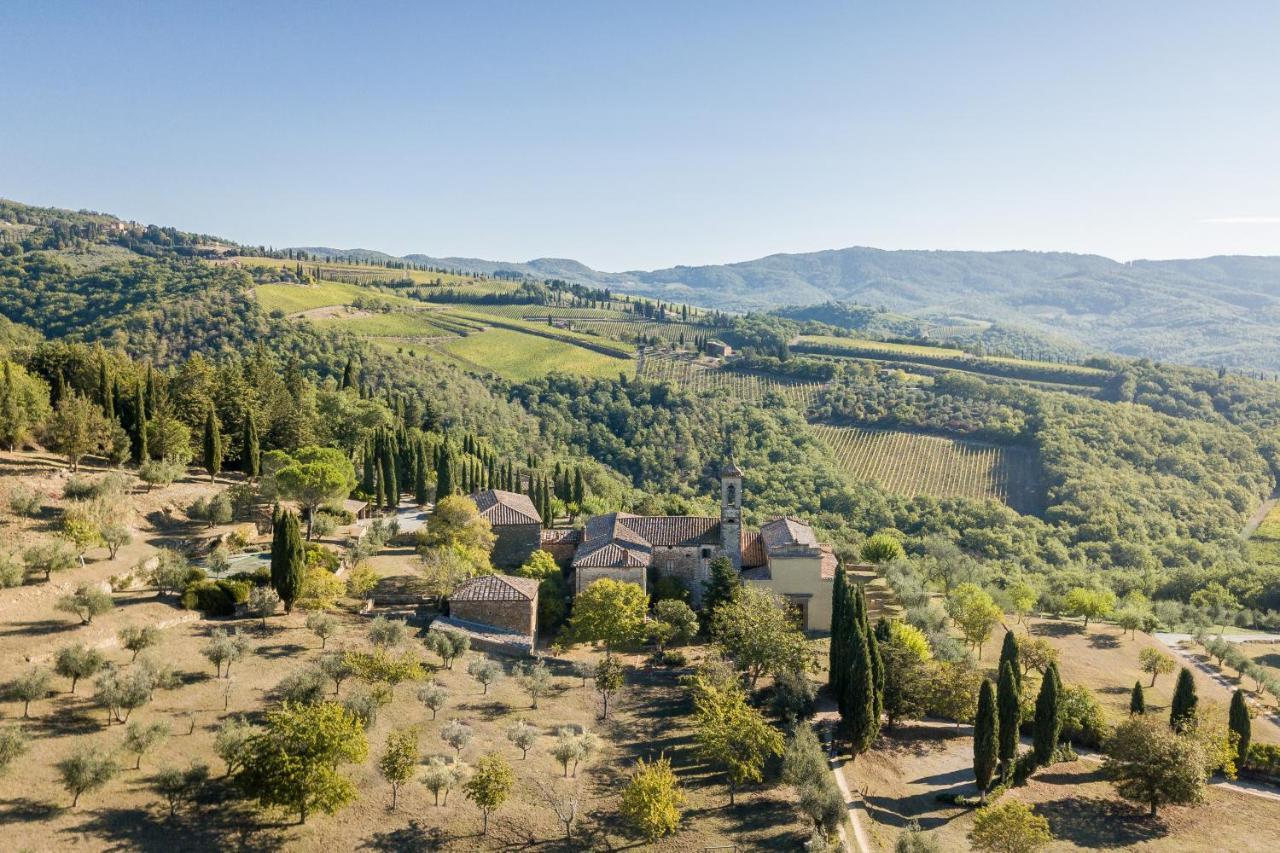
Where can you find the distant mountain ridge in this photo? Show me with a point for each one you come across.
(1211, 311)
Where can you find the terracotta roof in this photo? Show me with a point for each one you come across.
(611, 555)
(752, 549)
(569, 535)
(503, 508)
(787, 532)
(496, 588)
(674, 530)
(829, 563)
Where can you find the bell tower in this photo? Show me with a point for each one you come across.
(731, 512)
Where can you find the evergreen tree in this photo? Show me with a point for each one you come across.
(722, 586)
(251, 450)
(1137, 701)
(1009, 655)
(139, 435)
(368, 473)
(1010, 711)
(1047, 723)
(877, 667)
(212, 445)
(1183, 707)
(444, 477)
(288, 563)
(420, 493)
(836, 659)
(349, 379)
(153, 393)
(859, 715)
(1238, 720)
(104, 390)
(985, 735)
(579, 487)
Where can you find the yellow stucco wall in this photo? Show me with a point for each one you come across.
(802, 576)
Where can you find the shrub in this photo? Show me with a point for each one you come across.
(79, 488)
(215, 598)
(1264, 758)
(794, 696)
(25, 502)
(671, 657)
(12, 572)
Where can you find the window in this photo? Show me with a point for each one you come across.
(706, 553)
(799, 605)
(731, 495)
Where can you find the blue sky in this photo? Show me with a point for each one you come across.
(643, 135)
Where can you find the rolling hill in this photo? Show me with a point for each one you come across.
(1211, 311)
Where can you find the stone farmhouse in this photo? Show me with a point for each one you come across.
(515, 522)
(783, 555)
(501, 605)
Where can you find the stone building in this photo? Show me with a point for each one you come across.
(515, 522)
(499, 601)
(784, 555)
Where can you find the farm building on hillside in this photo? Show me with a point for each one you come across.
(516, 523)
(784, 556)
(718, 349)
(498, 601)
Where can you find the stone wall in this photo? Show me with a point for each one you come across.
(515, 543)
(584, 577)
(521, 616)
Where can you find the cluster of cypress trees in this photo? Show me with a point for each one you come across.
(856, 673)
(998, 722)
(570, 489)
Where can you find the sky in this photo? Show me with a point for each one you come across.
(645, 135)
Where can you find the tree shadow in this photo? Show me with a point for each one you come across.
(38, 627)
(1056, 629)
(927, 807)
(486, 709)
(1104, 641)
(227, 826)
(26, 810)
(414, 838)
(280, 650)
(1100, 823)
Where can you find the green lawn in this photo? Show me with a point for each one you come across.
(519, 357)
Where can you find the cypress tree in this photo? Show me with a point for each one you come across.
(579, 487)
(349, 373)
(139, 436)
(251, 454)
(1183, 707)
(390, 484)
(859, 694)
(420, 493)
(1137, 700)
(368, 476)
(153, 401)
(104, 390)
(1238, 721)
(835, 656)
(877, 667)
(444, 478)
(1009, 655)
(1010, 710)
(287, 560)
(212, 456)
(1047, 725)
(985, 734)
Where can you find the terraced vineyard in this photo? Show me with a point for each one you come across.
(685, 371)
(914, 464)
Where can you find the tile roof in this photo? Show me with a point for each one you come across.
(829, 563)
(496, 588)
(674, 530)
(752, 549)
(611, 555)
(503, 508)
(788, 532)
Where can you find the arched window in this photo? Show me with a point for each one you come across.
(731, 496)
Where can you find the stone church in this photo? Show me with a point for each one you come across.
(784, 555)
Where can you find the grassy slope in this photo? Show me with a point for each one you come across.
(518, 357)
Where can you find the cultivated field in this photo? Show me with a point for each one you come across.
(699, 375)
(914, 464)
(517, 356)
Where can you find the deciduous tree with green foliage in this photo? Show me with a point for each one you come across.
(292, 763)
(86, 769)
(755, 630)
(610, 612)
(731, 734)
(1009, 827)
(1150, 764)
(77, 662)
(490, 785)
(1155, 662)
(652, 801)
(398, 760)
(974, 612)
